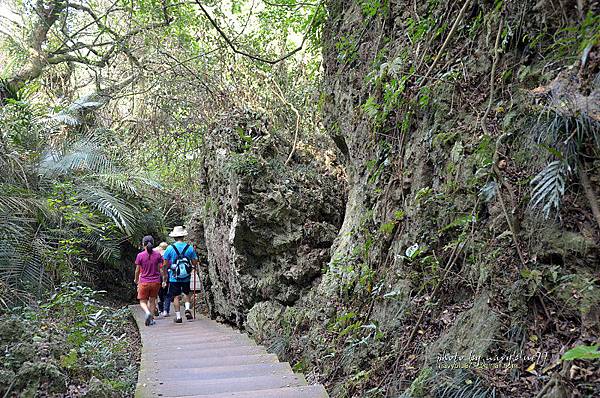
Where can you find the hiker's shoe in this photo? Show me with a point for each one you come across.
(178, 320)
(188, 314)
(165, 314)
(148, 319)
(152, 322)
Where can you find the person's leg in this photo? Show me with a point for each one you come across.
(161, 299)
(167, 303)
(175, 292)
(144, 305)
(143, 296)
(176, 307)
(153, 296)
(186, 299)
(152, 305)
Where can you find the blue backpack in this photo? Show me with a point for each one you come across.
(181, 267)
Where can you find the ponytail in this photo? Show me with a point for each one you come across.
(148, 243)
(149, 247)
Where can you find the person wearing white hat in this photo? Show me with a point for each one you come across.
(180, 259)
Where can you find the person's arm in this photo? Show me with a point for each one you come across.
(136, 278)
(194, 257)
(165, 274)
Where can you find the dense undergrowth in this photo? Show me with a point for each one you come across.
(70, 345)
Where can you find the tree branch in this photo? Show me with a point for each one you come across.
(279, 94)
(246, 54)
(47, 17)
(457, 21)
(291, 5)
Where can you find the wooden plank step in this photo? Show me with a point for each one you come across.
(214, 352)
(207, 387)
(211, 361)
(218, 372)
(192, 345)
(157, 330)
(186, 325)
(288, 392)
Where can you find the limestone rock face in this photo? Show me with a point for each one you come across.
(415, 260)
(267, 227)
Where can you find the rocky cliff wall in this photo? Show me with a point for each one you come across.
(446, 114)
(437, 106)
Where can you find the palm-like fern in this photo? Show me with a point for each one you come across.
(117, 209)
(73, 114)
(567, 129)
(63, 211)
(84, 156)
(549, 186)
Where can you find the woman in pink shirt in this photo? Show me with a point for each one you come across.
(147, 277)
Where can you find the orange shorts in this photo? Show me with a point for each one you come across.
(148, 290)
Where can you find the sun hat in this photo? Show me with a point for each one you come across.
(178, 232)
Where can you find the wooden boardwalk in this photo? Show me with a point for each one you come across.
(204, 359)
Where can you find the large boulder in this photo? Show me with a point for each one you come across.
(267, 227)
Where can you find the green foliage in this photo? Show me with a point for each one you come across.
(465, 384)
(247, 139)
(418, 386)
(68, 340)
(370, 8)
(300, 367)
(245, 164)
(417, 30)
(582, 352)
(424, 96)
(65, 209)
(388, 227)
(345, 323)
(346, 48)
(534, 279)
(459, 222)
(549, 186)
(423, 195)
(572, 40)
(444, 138)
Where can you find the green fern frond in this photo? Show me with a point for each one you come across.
(549, 187)
(15, 225)
(461, 384)
(72, 115)
(83, 156)
(23, 205)
(116, 182)
(148, 181)
(22, 264)
(9, 91)
(488, 192)
(117, 209)
(105, 249)
(131, 185)
(65, 118)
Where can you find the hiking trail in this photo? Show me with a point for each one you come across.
(203, 358)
